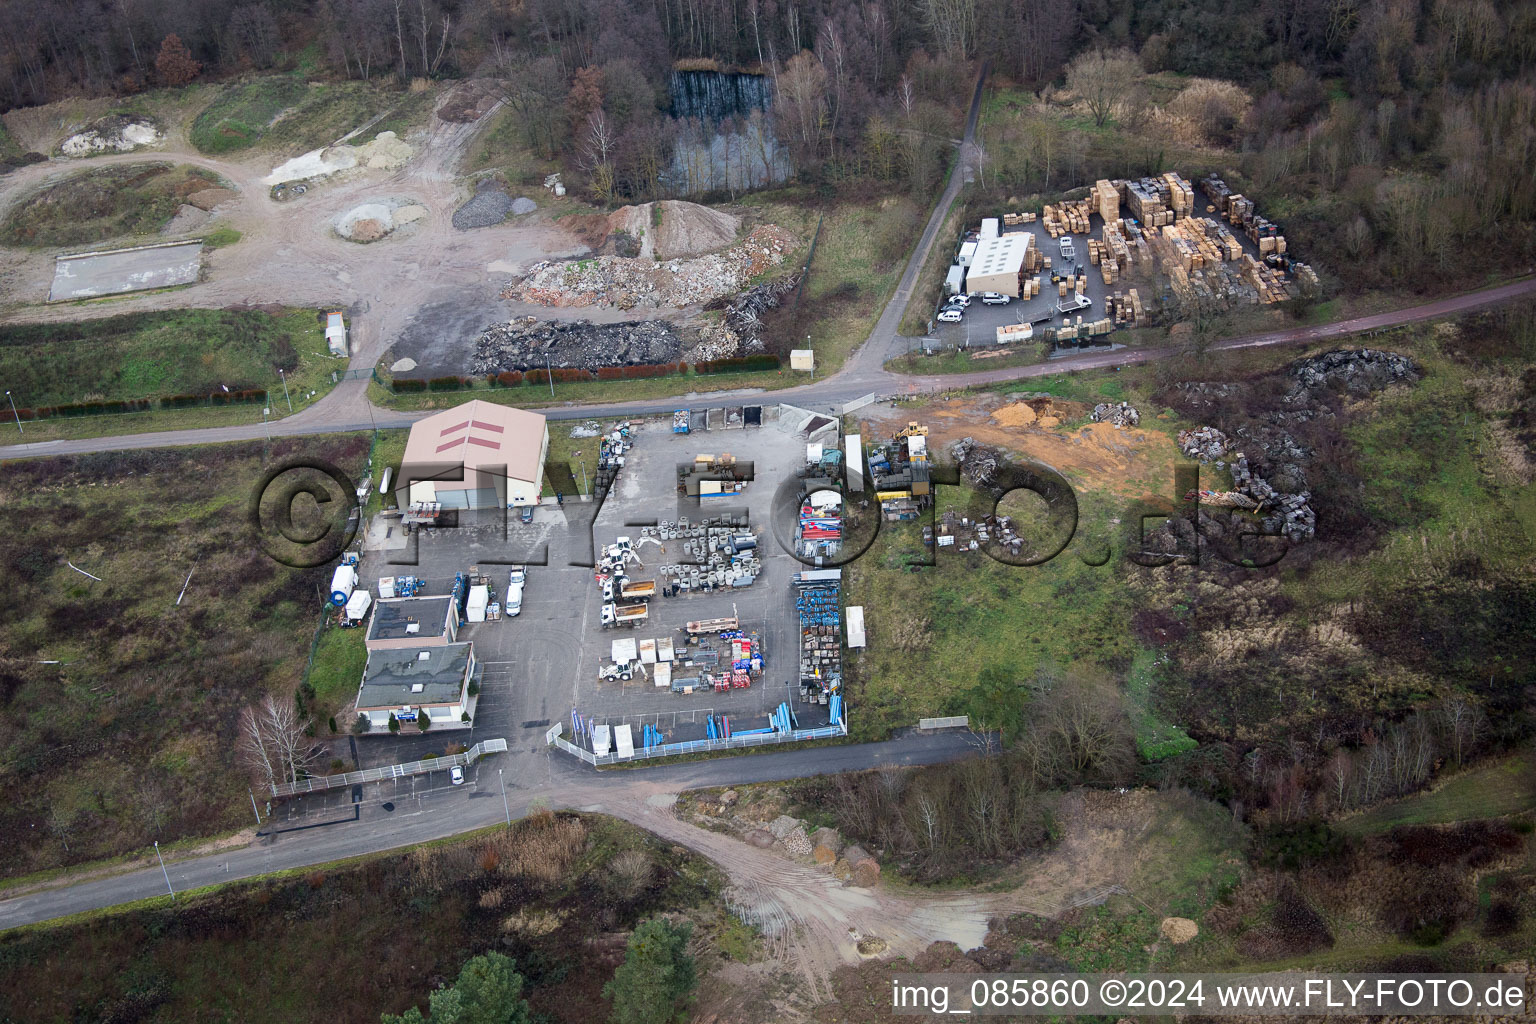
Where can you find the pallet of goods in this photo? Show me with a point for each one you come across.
(1106, 198)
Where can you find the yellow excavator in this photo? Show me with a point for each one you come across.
(912, 429)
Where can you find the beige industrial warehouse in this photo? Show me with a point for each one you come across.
(477, 455)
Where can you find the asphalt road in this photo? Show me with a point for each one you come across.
(434, 812)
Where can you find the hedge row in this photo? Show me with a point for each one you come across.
(738, 364)
(48, 412)
(250, 396)
(109, 407)
(517, 378)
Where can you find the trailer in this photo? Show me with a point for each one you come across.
(358, 604)
(662, 675)
(479, 600)
(600, 744)
(336, 334)
(637, 590)
(624, 741)
(624, 614)
(720, 625)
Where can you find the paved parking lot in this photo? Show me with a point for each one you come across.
(544, 663)
(125, 270)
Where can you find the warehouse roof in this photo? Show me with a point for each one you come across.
(412, 676)
(1001, 255)
(394, 618)
(481, 436)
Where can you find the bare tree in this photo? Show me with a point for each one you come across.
(273, 745)
(1103, 78)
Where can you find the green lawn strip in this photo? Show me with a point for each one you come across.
(336, 673)
(1504, 786)
(153, 355)
(1156, 739)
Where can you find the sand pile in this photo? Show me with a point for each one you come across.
(370, 222)
(385, 152)
(672, 229)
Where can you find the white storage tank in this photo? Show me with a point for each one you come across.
(343, 582)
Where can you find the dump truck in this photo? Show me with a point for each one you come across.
(635, 590)
(720, 625)
(624, 614)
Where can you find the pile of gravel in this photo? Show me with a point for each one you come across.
(489, 206)
(527, 342)
(522, 205)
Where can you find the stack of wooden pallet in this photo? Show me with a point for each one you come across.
(1015, 219)
(1181, 195)
(1115, 250)
(1069, 217)
(1034, 259)
(1304, 273)
(1106, 199)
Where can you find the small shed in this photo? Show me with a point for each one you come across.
(855, 625)
(954, 281)
(336, 334)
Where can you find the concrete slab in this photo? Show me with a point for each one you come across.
(114, 271)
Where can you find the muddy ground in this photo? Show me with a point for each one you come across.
(1133, 461)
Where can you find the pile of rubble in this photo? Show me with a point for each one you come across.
(1204, 444)
(1122, 415)
(978, 462)
(529, 343)
(489, 205)
(115, 133)
(631, 282)
(1280, 514)
(1356, 371)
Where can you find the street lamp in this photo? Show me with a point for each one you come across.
(15, 413)
(549, 375)
(167, 874)
(285, 389)
(504, 805)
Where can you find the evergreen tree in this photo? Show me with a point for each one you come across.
(656, 977)
(488, 991)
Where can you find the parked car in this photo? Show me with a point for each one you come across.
(514, 602)
(456, 776)
(949, 316)
(958, 299)
(996, 298)
(519, 574)
(525, 514)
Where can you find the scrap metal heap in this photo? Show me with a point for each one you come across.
(817, 604)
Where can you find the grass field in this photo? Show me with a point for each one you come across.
(149, 355)
(501, 147)
(118, 201)
(305, 946)
(286, 114)
(944, 628)
(336, 673)
(1504, 786)
(120, 704)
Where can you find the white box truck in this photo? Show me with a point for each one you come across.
(479, 600)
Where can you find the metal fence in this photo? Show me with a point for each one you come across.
(321, 783)
(704, 746)
(953, 722)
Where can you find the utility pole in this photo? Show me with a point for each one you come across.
(15, 413)
(286, 396)
(164, 872)
(254, 807)
(549, 375)
(504, 805)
